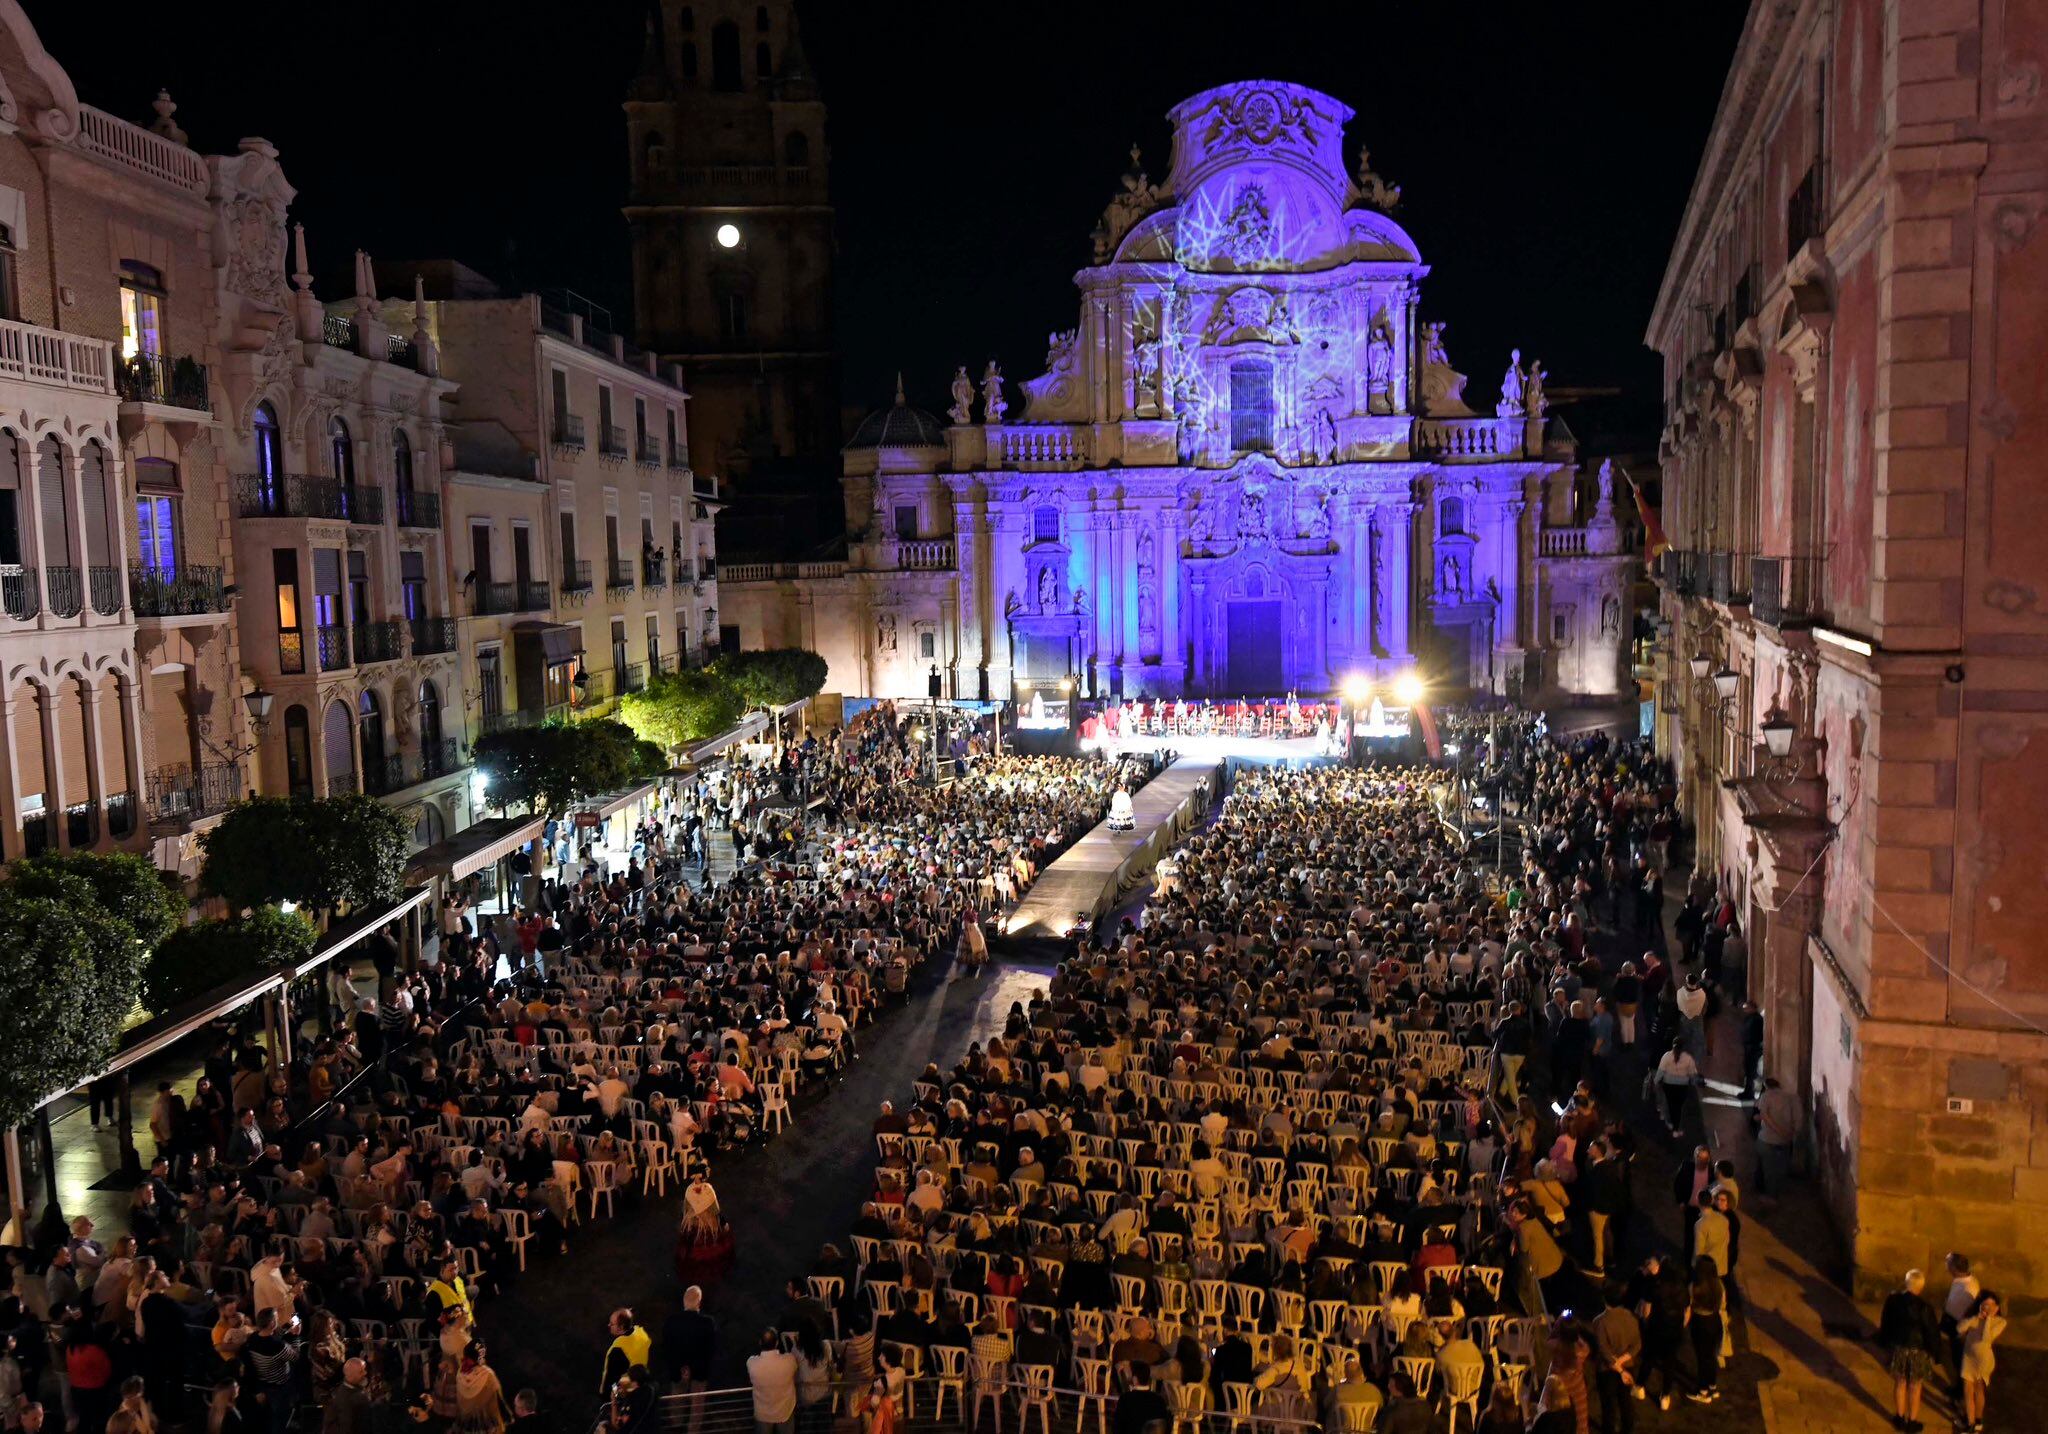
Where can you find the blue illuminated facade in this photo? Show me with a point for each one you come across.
(1248, 468)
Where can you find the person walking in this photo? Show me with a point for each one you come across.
(1704, 1326)
(1909, 1335)
(1977, 1333)
(1676, 1076)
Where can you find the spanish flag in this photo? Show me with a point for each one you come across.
(1654, 541)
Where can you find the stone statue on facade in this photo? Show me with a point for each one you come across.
(1373, 191)
(1511, 401)
(1194, 416)
(1606, 489)
(1147, 554)
(1080, 599)
(962, 410)
(1318, 524)
(1443, 388)
(1138, 197)
(1148, 619)
(1145, 366)
(1048, 590)
(1249, 237)
(992, 405)
(1532, 391)
(1251, 514)
(1322, 437)
(1379, 362)
(1610, 616)
(885, 632)
(1201, 527)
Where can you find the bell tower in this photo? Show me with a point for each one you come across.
(732, 234)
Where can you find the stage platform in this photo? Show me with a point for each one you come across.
(1216, 749)
(1087, 878)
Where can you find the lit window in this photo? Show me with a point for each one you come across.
(142, 310)
(156, 534)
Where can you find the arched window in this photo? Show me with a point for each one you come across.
(1451, 516)
(725, 56)
(689, 59)
(11, 516)
(796, 149)
(1251, 406)
(51, 475)
(269, 445)
(338, 740)
(1045, 524)
(298, 752)
(430, 828)
(430, 718)
(370, 719)
(101, 545)
(764, 61)
(761, 18)
(341, 451)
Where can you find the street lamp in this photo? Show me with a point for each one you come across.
(1700, 664)
(258, 702)
(1778, 731)
(1725, 682)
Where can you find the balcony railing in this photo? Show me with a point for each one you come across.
(1728, 577)
(82, 819)
(432, 634)
(633, 677)
(534, 596)
(1685, 576)
(494, 598)
(925, 555)
(384, 775)
(183, 794)
(341, 784)
(679, 458)
(169, 382)
(647, 452)
(333, 647)
(143, 151)
(104, 586)
(439, 759)
(1784, 591)
(53, 357)
(63, 591)
(418, 508)
(592, 687)
(297, 495)
(338, 331)
(654, 569)
(568, 432)
(611, 442)
(576, 576)
(620, 575)
(378, 641)
(18, 593)
(401, 351)
(188, 592)
(510, 721)
(1803, 220)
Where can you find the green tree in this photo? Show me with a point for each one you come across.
(775, 676)
(557, 766)
(128, 887)
(68, 975)
(195, 959)
(678, 708)
(320, 853)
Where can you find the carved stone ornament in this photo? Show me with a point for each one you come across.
(1258, 119)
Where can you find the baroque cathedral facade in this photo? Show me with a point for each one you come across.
(1249, 468)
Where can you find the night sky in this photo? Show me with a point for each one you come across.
(1544, 151)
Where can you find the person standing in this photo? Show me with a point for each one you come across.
(1752, 1047)
(771, 1373)
(1909, 1336)
(1977, 1332)
(1703, 1324)
(1956, 1304)
(1777, 1127)
(1617, 1348)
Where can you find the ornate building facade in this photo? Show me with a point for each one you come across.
(1855, 650)
(1248, 468)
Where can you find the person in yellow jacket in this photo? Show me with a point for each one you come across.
(630, 1347)
(449, 1290)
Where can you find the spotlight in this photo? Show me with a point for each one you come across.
(1357, 689)
(1408, 688)
(728, 236)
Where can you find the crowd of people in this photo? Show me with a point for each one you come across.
(330, 1232)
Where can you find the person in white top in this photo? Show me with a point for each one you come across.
(1677, 1073)
(772, 1374)
(1957, 1304)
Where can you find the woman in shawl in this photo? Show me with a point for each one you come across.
(479, 1398)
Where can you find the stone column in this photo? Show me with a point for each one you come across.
(10, 786)
(53, 767)
(95, 752)
(1172, 640)
(1401, 552)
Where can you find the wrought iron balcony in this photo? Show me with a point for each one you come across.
(18, 593)
(533, 596)
(492, 598)
(678, 458)
(333, 647)
(63, 591)
(378, 642)
(647, 452)
(183, 793)
(1685, 580)
(440, 759)
(633, 677)
(104, 586)
(338, 331)
(165, 381)
(1787, 591)
(402, 351)
(576, 576)
(1728, 577)
(654, 569)
(187, 592)
(592, 687)
(384, 775)
(621, 574)
(432, 634)
(611, 442)
(511, 721)
(568, 432)
(418, 508)
(299, 495)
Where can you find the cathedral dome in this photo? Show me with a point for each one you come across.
(899, 426)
